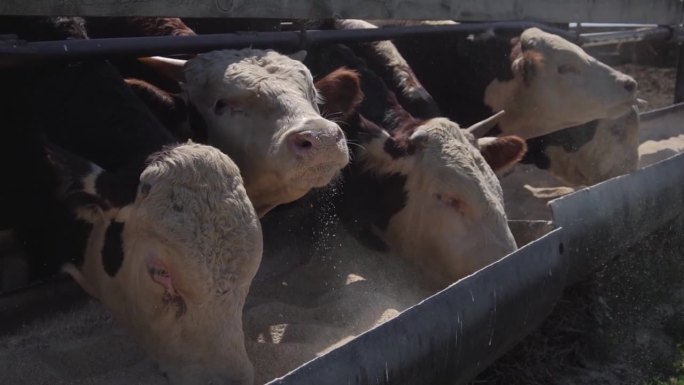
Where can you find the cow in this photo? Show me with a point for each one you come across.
(423, 189)
(477, 74)
(259, 107)
(161, 232)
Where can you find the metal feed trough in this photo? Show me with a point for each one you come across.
(453, 335)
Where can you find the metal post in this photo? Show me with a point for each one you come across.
(14, 53)
(679, 82)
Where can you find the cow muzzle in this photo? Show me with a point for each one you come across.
(314, 136)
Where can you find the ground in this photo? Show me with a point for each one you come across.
(623, 325)
(656, 85)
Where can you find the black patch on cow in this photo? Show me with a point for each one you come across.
(368, 202)
(571, 139)
(457, 68)
(420, 105)
(198, 126)
(399, 148)
(392, 198)
(112, 250)
(119, 189)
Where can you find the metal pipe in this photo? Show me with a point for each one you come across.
(628, 36)
(13, 53)
(679, 82)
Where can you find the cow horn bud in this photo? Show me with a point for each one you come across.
(481, 128)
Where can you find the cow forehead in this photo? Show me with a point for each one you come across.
(551, 44)
(263, 72)
(456, 164)
(197, 209)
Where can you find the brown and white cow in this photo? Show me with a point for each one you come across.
(423, 189)
(260, 108)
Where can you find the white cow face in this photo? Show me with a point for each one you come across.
(557, 85)
(261, 109)
(189, 246)
(453, 222)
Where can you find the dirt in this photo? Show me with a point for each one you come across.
(656, 85)
(623, 325)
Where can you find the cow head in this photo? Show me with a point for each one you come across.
(175, 264)
(260, 108)
(557, 85)
(443, 203)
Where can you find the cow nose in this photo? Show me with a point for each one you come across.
(313, 136)
(630, 85)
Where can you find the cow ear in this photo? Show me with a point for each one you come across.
(341, 92)
(78, 181)
(160, 274)
(503, 152)
(171, 68)
(298, 56)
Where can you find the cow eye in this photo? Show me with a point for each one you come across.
(222, 106)
(451, 202)
(567, 68)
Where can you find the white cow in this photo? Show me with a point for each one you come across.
(260, 108)
(175, 265)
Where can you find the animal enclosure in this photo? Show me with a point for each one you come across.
(323, 308)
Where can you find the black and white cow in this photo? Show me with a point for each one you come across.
(162, 233)
(423, 189)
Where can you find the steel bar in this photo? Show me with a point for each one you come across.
(618, 11)
(627, 36)
(679, 82)
(14, 53)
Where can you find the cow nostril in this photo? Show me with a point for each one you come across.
(630, 86)
(303, 143)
